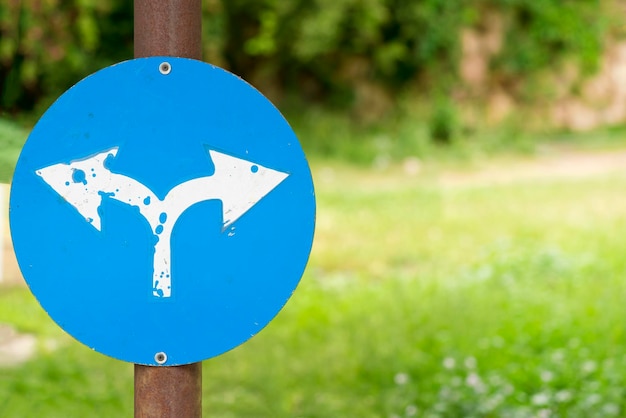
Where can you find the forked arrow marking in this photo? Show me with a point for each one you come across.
(238, 183)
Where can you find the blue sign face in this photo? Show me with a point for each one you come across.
(162, 211)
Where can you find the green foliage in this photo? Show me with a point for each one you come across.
(48, 45)
(325, 50)
(413, 132)
(443, 124)
(332, 48)
(540, 34)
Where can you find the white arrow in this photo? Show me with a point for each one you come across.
(238, 183)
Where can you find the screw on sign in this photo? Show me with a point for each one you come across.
(164, 191)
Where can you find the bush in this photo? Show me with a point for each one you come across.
(46, 46)
(443, 122)
(326, 50)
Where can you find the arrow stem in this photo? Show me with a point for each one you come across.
(162, 279)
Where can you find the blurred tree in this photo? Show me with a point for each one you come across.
(46, 45)
(335, 51)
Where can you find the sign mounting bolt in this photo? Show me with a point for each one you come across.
(165, 68)
(160, 357)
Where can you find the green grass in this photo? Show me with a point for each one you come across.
(479, 301)
(12, 138)
(419, 300)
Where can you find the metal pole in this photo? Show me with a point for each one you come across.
(172, 392)
(168, 27)
(171, 28)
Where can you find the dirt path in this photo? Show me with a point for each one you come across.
(555, 164)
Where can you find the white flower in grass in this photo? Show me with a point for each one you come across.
(540, 399)
(593, 399)
(449, 363)
(493, 402)
(445, 392)
(589, 366)
(439, 407)
(546, 376)
(470, 363)
(563, 396)
(508, 389)
(474, 381)
(611, 409)
(495, 380)
(401, 379)
(410, 410)
(558, 356)
(544, 413)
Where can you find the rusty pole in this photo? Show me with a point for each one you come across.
(172, 392)
(169, 28)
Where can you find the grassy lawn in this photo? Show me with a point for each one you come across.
(12, 138)
(421, 299)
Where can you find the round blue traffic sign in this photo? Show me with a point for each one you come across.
(162, 211)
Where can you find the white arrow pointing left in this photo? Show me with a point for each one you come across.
(238, 183)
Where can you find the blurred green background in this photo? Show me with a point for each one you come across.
(469, 160)
(357, 55)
